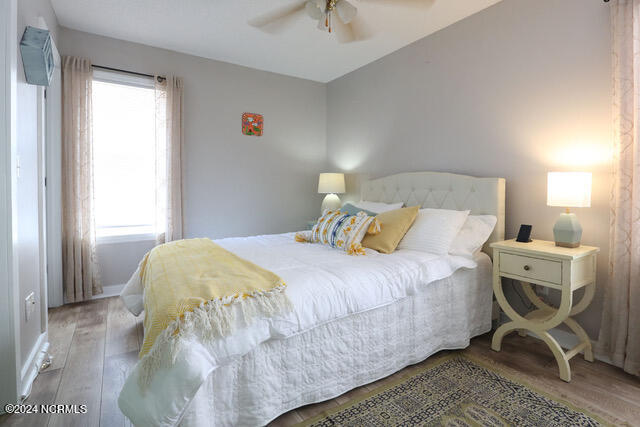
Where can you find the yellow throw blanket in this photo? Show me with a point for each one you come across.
(189, 289)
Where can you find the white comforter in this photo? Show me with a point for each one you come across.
(324, 284)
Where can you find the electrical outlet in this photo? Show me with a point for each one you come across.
(29, 305)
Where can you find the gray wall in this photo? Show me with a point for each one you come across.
(234, 185)
(30, 10)
(517, 90)
(28, 103)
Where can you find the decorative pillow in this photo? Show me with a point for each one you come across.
(434, 230)
(353, 210)
(394, 225)
(377, 207)
(473, 235)
(303, 236)
(342, 231)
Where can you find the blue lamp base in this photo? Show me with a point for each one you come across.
(567, 231)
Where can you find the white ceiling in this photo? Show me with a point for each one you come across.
(218, 29)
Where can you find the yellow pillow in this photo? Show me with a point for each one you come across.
(394, 226)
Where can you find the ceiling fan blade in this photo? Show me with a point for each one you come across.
(346, 11)
(344, 32)
(360, 30)
(276, 15)
(402, 3)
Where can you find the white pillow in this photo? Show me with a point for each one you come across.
(473, 235)
(377, 207)
(434, 230)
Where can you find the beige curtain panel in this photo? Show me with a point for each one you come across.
(80, 270)
(620, 331)
(169, 140)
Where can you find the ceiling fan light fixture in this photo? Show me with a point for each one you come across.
(331, 15)
(313, 10)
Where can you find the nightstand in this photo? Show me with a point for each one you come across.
(545, 264)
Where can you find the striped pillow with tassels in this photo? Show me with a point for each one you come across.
(342, 231)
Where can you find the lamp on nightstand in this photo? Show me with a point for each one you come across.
(568, 190)
(331, 184)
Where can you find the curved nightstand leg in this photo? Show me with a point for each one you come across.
(529, 316)
(498, 335)
(504, 304)
(558, 353)
(589, 291)
(541, 305)
(539, 322)
(517, 321)
(533, 297)
(571, 323)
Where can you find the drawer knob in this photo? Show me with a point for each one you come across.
(527, 268)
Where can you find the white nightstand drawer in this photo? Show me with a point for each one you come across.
(531, 268)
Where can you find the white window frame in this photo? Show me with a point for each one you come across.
(123, 78)
(127, 79)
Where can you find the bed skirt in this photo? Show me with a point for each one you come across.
(331, 359)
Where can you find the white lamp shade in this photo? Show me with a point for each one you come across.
(331, 183)
(569, 189)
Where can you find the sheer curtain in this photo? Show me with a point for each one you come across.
(620, 331)
(169, 138)
(80, 269)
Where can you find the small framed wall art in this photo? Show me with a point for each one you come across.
(252, 124)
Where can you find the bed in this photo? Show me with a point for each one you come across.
(355, 319)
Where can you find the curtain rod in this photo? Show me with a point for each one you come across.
(160, 78)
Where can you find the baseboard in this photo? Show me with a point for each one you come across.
(31, 368)
(110, 291)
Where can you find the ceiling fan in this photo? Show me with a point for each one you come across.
(339, 17)
(332, 16)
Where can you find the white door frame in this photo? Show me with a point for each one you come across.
(39, 351)
(53, 171)
(9, 299)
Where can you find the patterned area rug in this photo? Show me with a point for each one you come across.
(454, 391)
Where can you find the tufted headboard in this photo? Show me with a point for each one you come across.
(482, 196)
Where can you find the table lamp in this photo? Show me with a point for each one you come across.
(568, 190)
(331, 184)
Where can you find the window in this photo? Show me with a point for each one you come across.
(124, 155)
